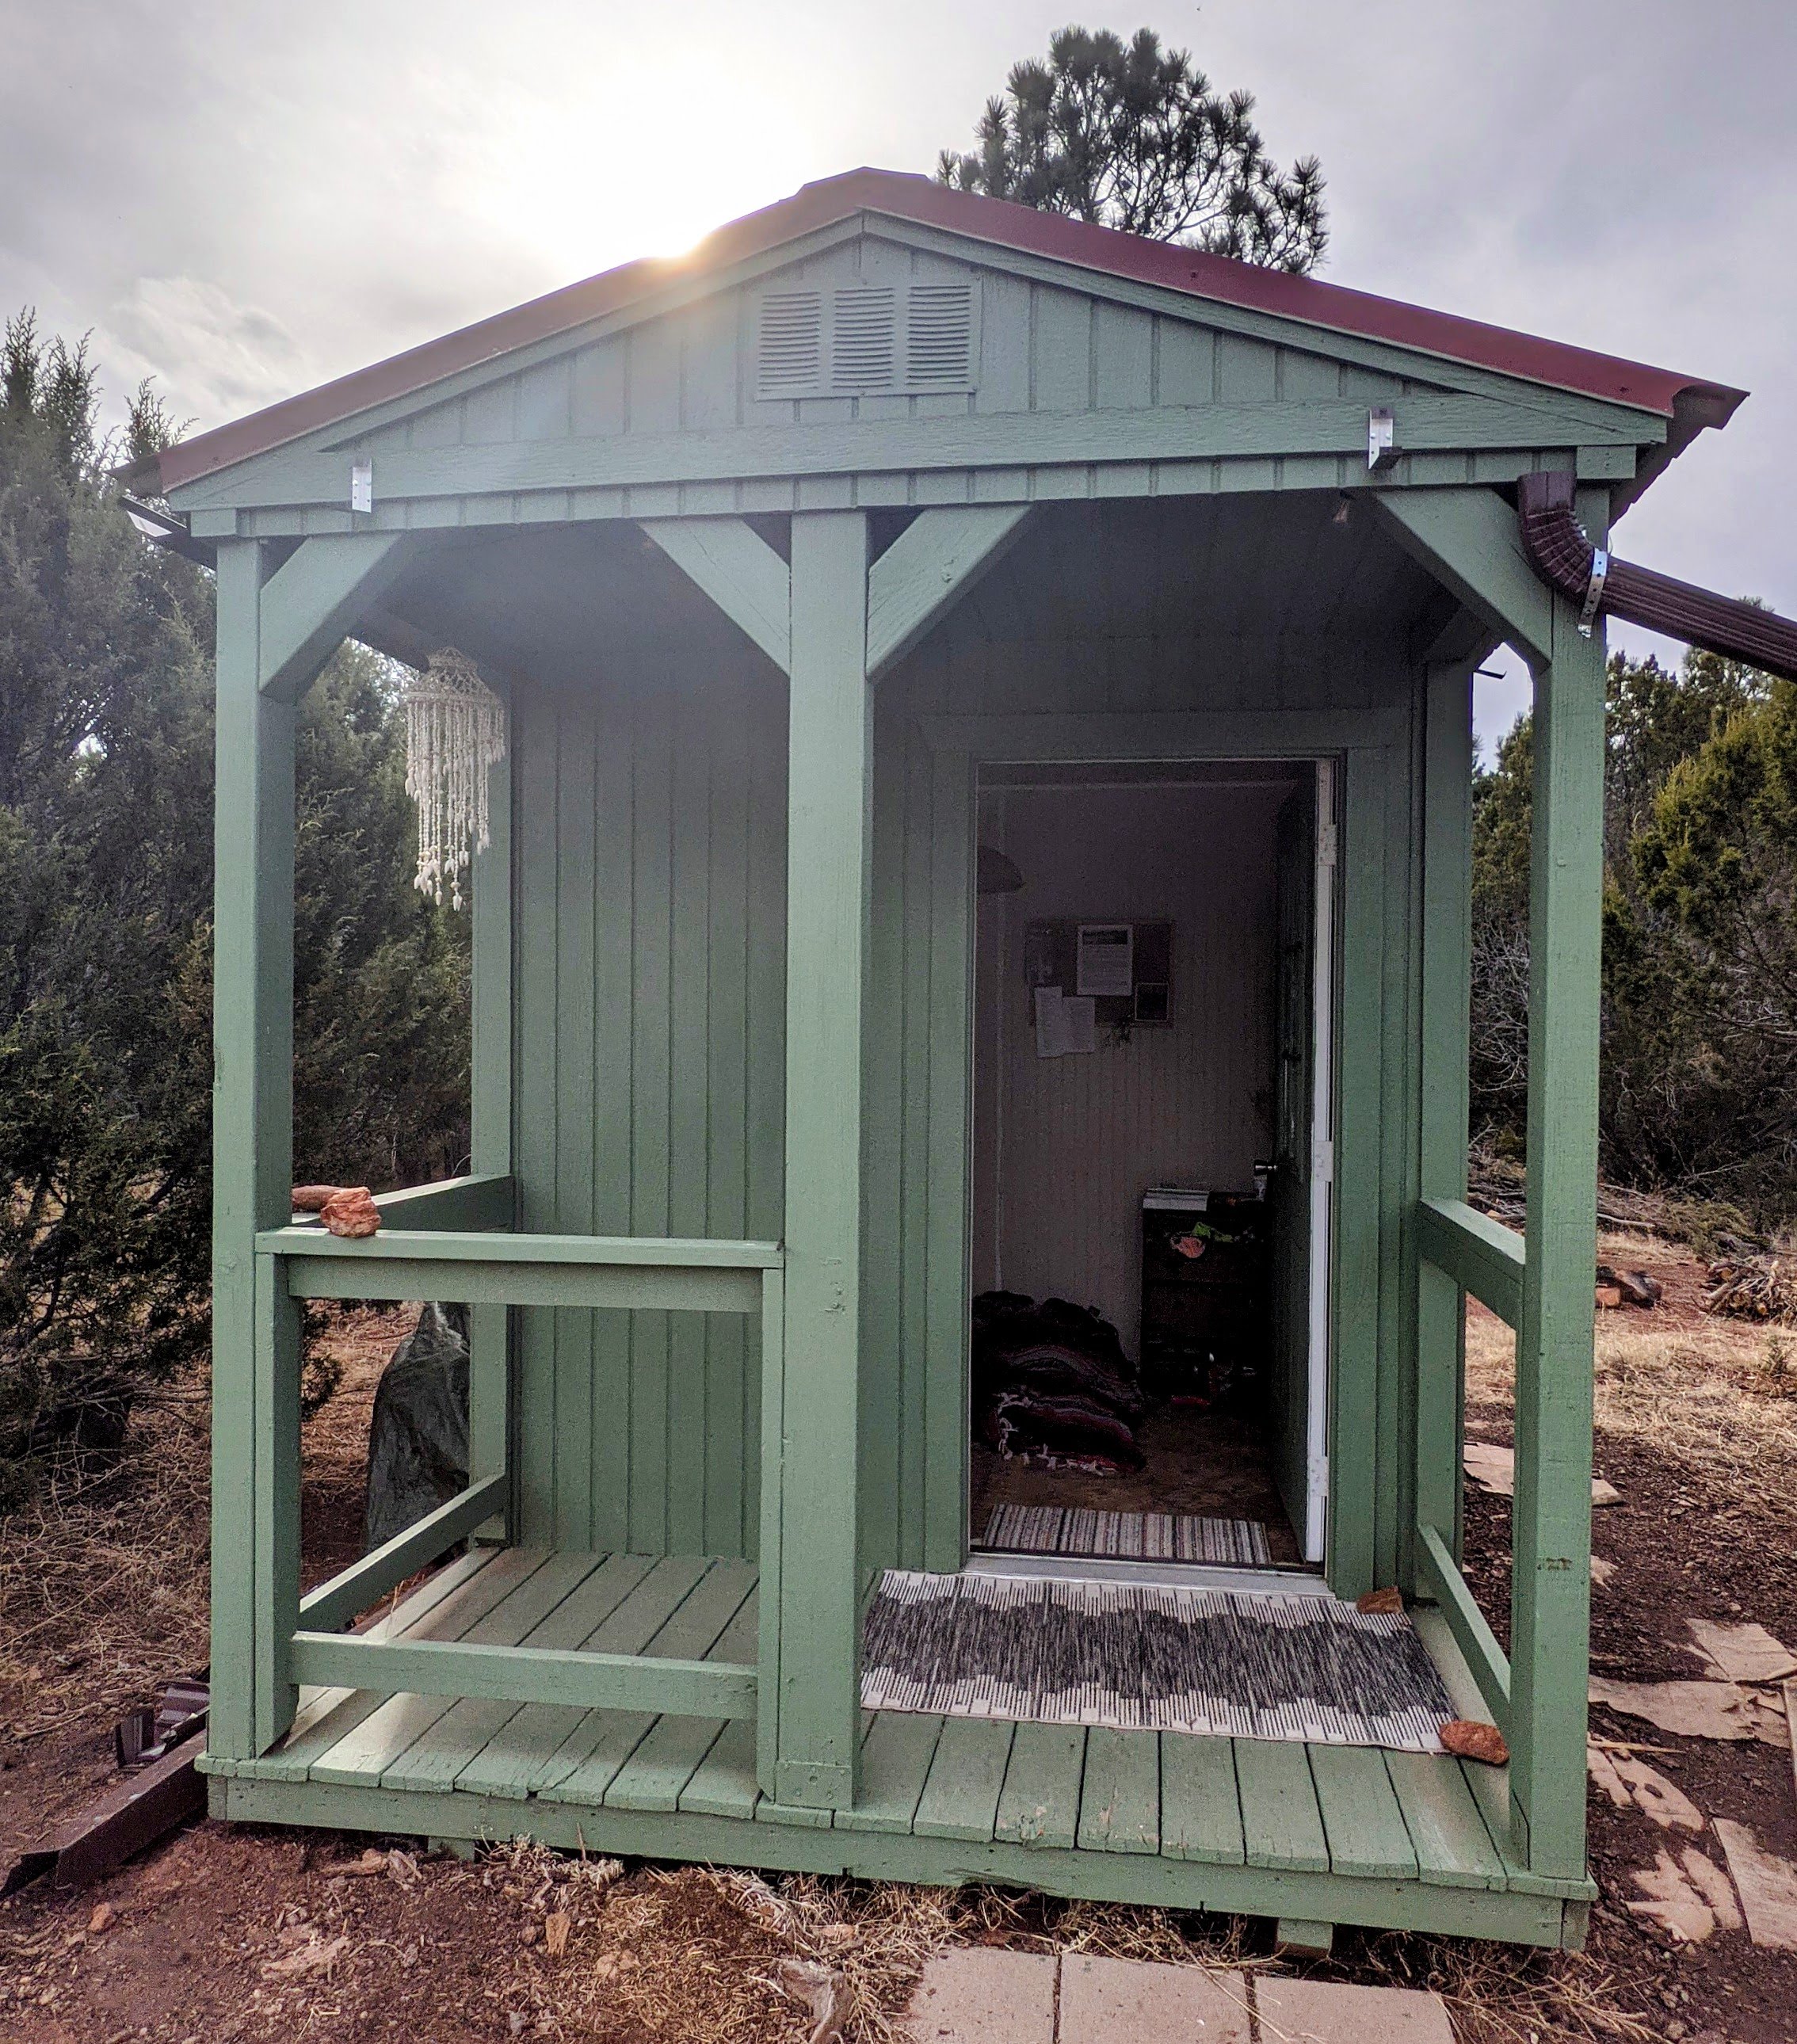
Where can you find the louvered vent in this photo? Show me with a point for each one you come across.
(792, 344)
(863, 339)
(940, 337)
(859, 339)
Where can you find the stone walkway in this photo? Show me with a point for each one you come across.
(982, 1996)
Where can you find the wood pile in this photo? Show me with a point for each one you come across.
(1746, 1286)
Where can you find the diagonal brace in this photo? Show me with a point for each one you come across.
(741, 573)
(932, 564)
(1468, 539)
(315, 599)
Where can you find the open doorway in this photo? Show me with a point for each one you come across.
(1153, 989)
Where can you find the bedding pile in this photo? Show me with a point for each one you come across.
(1051, 1382)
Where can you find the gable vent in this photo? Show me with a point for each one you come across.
(792, 343)
(939, 336)
(863, 339)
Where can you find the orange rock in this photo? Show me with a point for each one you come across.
(1610, 1296)
(1381, 1601)
(1471, 1740)
(310, 1199)
(351, 1211)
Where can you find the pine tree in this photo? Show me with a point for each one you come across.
(1133, 136)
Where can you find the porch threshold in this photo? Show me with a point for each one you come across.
(1328, 1833)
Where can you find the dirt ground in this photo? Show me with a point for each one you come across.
(227, 1935)
(1697, 1428)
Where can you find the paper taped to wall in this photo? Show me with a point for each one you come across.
(1065, 1026)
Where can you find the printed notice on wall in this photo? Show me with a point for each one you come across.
(1107, 959)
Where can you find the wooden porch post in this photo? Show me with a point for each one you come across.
(1552, 1522)
(274, 631)
(255, 1334)
(1447, 878)
(812, 1543)
(490, 1401)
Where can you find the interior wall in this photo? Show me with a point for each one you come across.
(1064, 1148)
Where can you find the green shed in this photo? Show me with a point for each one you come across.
(987, 733)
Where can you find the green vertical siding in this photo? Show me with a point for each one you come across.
(650, 833)
(650, 927)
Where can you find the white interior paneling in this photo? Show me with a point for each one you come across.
(1064, 1148)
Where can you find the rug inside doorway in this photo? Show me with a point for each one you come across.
(1126, 1536)
(1144, 1658)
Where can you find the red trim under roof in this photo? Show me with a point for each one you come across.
(1330, 307)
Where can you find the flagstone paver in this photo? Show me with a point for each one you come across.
(1106, 2001)
(1321, 2012)
(979, 1994)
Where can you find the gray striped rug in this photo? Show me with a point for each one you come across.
(1126, 1536)
(1143, 1658)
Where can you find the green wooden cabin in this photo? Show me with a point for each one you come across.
(806, 565)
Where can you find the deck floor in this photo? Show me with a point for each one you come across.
(1296, 1809)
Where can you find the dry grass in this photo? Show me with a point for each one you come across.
(104, 1576)
(103, 1579)
(1714, 1394)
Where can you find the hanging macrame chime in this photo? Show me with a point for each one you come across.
(455, 735)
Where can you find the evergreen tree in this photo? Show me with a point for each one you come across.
(1133, 136)
(106, 968)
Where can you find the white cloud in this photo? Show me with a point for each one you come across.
(211, 357)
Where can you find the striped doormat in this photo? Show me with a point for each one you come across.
(1128, 1536)
(1142, 1657)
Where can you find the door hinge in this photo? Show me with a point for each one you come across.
(1325, 847)
(1322, 1163)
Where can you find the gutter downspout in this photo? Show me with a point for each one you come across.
(1565, 559)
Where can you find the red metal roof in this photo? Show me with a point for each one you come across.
(1691, 402)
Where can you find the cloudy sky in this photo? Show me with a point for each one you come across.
(242, 200)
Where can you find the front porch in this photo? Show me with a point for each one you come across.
(1318, 1833)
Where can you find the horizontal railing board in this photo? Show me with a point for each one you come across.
(646, 1251)
(1485, 1658)
(1481, 1255)
(628, 1273)
(335, 1603)
(526, 1675)
(481, 1282)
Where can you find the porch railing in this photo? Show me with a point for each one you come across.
(1482, 1257)
(452, 1243)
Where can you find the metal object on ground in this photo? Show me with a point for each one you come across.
(165, 1789)
(148, 1734)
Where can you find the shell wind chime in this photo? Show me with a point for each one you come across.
(455, 735)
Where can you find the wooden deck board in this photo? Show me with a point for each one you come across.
(1120, 1799)
(1040, 1805)
(434, 1760)
(383, 1733)
(1362, 1823)
(967, 1776)
(1281, 1825)
(324, 1715)
(724, 1784)
(647, 1607)
(1448, 1835)
(1200, 1804)
(515, 1760)
(656, 1775)
(895, 1761)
